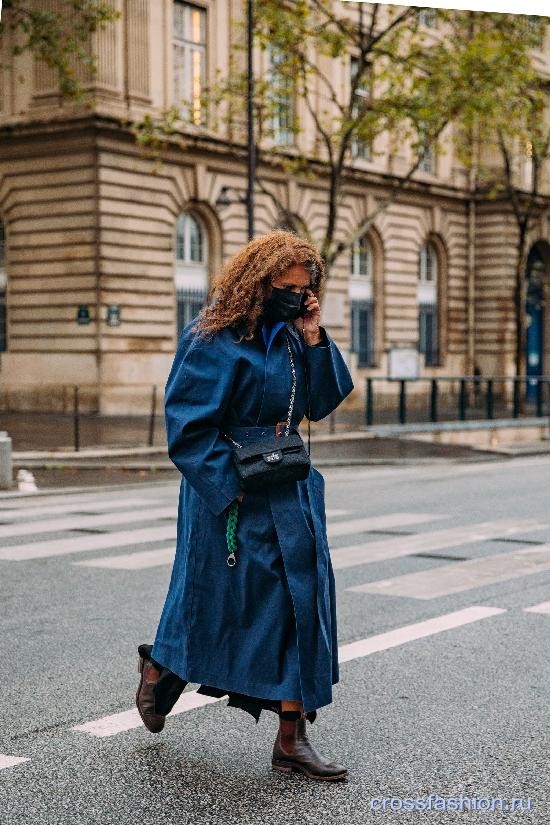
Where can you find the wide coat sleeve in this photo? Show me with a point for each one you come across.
(328, 376)
(196, 397)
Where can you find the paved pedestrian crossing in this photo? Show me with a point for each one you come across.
(466, 575)
(137, 531)
(115, 531)
(128, 719)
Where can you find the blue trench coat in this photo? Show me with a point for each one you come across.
(266, 627)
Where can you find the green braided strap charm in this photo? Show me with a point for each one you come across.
(231, 532)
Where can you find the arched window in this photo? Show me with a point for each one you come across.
(361, 301)
(427, 305)
(191, 273)
(3, 289)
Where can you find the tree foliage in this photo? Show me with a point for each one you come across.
(506, 127)
(409, 83)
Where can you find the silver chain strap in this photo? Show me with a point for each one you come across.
(292, 395)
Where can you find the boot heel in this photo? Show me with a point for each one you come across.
(278, 765)
(140, 665)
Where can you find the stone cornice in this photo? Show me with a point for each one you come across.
(101, 126)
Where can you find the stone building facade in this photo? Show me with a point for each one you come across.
(105, 253)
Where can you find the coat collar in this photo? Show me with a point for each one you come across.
(271, 332)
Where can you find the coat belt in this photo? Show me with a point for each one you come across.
(253, 433)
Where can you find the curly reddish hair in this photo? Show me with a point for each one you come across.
(244, 283)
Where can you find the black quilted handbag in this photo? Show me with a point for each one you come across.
(275, 460)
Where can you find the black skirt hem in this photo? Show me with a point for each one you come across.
(170, 686)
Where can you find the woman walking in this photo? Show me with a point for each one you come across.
(250, 611)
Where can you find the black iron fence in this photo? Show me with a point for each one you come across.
(455, 398)
(67, 416)
(74, 420)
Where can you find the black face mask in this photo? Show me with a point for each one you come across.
(283, 305)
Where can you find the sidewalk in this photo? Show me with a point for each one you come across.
(106, 467)
(41, 443)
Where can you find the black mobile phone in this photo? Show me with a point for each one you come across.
(303, 308)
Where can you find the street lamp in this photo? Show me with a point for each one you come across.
(250, 119)
(223, 198)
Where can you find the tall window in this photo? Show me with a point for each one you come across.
(527, 166)
(427, 305)
(362, 332)
(191, 273)
(362, 311)
(361, 259)
(281, 102)
(3, 289)
(427, 159)
(360, 148)
(189, 54)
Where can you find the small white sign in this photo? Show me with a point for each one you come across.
(403, 362)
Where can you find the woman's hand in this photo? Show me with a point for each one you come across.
(308, 325)
(240, 497)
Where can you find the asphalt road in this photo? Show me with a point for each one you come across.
(445, 668)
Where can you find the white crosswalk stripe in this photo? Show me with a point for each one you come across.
(10, 761)
(156, 558)
(26, 501)
(385, 522)
(543, 607)
(394, 548)
(84, 522)
(465, 575)
(132, 561)
(417, 630)
(129, 719)
(86, 506)
(335, 513)
(82, 544)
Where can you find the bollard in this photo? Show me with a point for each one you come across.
(462, 400)
(6, 467)
(433, 401)
(490, 399)
(539, 397)
(369, 412)
(402, 401)
(152, 416)
(76, 419)
(516, 402)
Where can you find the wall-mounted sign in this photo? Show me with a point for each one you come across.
(113, 315)
(83, 314)
(403, 362)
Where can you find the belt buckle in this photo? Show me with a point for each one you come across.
(279, 427)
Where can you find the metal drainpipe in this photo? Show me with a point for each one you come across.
(97, 267)
(472, 181)
(471, 318)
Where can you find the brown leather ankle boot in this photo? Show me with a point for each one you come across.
(293, 751)
(145, 698)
